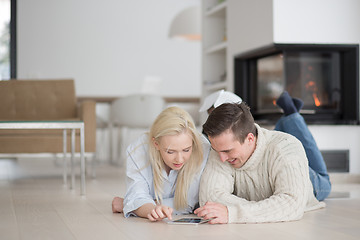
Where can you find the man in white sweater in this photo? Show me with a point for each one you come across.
(253, 175)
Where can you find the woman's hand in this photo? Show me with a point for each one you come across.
(160, 212)
(117, 205)
(154, 212)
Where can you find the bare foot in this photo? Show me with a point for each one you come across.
(117, 205)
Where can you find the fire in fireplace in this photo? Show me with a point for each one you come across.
(325, 77)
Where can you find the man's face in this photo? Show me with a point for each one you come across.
(231, 150)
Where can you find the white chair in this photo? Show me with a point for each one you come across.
(133, 115)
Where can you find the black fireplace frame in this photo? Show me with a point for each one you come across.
(245, 86)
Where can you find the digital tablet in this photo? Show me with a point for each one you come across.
(193, 220)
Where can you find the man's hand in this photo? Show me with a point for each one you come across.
(214, 210)
(160, 212)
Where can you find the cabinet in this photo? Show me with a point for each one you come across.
(214, 47)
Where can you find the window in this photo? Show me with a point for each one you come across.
(7, 39)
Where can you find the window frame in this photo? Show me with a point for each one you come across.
(13, 59)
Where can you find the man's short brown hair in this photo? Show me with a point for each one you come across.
(231, 116)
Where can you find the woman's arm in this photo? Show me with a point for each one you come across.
(139, 179)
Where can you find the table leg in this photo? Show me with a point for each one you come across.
(65, 160)
(111, 140)
(82, 161)
(72, 158)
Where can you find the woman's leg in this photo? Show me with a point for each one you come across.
(295, 125)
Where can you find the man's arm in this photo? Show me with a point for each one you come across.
(217, 178)
(286, 203)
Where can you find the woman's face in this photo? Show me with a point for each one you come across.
(175, 150)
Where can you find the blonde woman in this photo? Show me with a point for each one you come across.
(164, 168)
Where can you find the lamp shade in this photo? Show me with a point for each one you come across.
(186, 24)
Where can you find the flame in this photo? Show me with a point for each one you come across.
(311, 86)
(316, 100)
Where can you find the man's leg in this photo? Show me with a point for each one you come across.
(295, 125)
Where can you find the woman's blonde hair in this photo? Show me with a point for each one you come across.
(174, 121)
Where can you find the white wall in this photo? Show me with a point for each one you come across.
(250, 26)
(316, 21)
(340, 138)
(108, 46)
(308, 21)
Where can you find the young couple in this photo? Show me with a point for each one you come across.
(247, 174)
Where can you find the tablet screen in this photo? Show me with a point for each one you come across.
(189, 221)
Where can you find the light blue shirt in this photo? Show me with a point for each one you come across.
(139, 179)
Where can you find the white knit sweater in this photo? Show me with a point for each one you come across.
(272, 186)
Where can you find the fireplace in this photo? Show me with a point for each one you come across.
(325, 77)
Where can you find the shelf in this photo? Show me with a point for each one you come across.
(217, 10)
(215, 45)
(217, 48)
